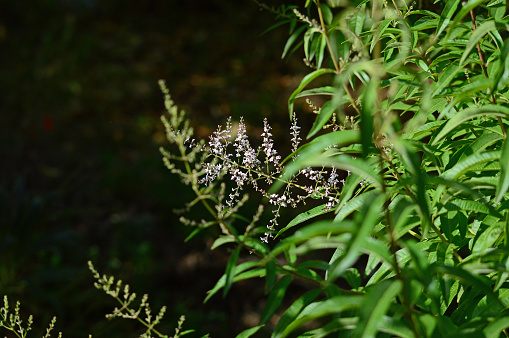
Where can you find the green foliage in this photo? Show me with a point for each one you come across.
(419, 234)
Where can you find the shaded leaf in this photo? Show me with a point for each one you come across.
(275, 298)
(232, 262)
(374, 306)
(294, 310)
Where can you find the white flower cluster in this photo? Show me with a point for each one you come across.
(233, 156)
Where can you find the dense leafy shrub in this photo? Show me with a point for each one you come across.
(401, 182)
(408, 158)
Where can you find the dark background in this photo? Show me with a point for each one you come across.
(81, 177)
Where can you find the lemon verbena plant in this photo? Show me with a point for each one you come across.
(408, 157)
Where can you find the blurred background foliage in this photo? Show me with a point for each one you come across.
(81, 176)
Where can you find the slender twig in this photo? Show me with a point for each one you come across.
(485, 71)
(392, 248)
(333, 57)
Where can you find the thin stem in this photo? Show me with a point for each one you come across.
(392, 248)
(333, 57)
(414, 199)
(324, 32)
(485, 71)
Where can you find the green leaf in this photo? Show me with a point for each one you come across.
(395, 327)
(353, 205)
(232, 262)
(469, 278)
(481, 31)
(470, 163)
(474, 206)
(379, 249)
(447, 13)
(291, 40)
(321, 53)
(324, 308)
(420, 262)
(357, 166)
(369, 104)
(222, 240)
(469, 114)
(374, 306)
(313, 151)
(353, 277)
(465, 9)
(294, 310)
(502, 76)
(366, 220)
(495, 328)
(305, 81)
(249, 332)
(487, 239)
(445, 78)
(302, 217)
(382, 27)
(240, 273)
(503, 183)
(481, 144)
(270, 275)
(327, 90)
(310, 231)
(275, 298)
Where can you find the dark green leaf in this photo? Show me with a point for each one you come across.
(229, 274)
(374, 306)
(503, 183)
(275, 298)
(292, 39)
(294, 310)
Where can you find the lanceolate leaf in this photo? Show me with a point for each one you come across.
(305, 81)
(317, 91)
(447, 13)
(353, 205)
(292, 39)
(445, 78)
(294, 310)
(469, 114)
(312, 230)
(249, 332)
(503, 183)
(316, 211)
(495, 328)
(465, 9)
(469, 163)
(312, 154)
(366, 220)
(375, 304)
(336, 139)
(369, 107)
(327, 307)
(240, 273)
(275, 298)
(466, 276)
(229, 274)
(481, 31)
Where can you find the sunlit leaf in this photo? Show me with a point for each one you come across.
(305, 81)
